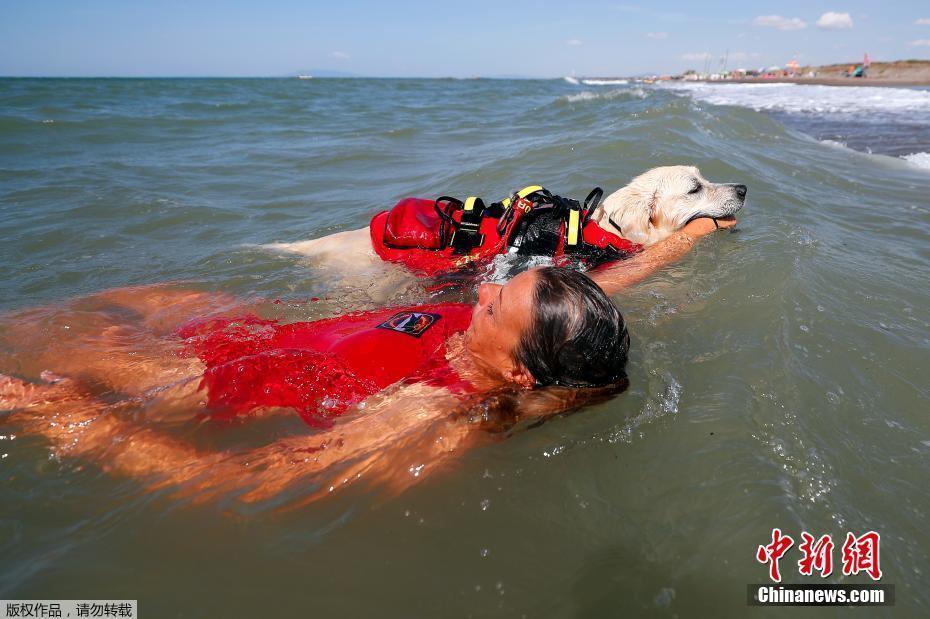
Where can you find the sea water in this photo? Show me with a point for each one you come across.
(778, 373)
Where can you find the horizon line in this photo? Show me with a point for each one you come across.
(295, 76)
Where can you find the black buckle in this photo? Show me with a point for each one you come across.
(467, 236)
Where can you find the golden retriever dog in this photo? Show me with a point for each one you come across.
(659, 202)
(650, 208)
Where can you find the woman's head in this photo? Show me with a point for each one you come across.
(549, 326)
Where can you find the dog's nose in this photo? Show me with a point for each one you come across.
(740, 191)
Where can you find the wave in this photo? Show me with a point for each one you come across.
(921, 160)
(807, 98)
(587, 95)
(605, 82)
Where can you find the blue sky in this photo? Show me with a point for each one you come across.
(434, 39)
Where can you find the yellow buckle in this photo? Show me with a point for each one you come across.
(573, 218)
(522, 193)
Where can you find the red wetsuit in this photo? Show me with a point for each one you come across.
(321, 368)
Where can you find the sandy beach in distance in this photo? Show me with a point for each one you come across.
(900, 73)
(827, 81)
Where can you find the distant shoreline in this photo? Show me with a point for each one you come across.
(896, 73)
(822, 81)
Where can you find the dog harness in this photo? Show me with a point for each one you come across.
(323, 367)
(431, 237)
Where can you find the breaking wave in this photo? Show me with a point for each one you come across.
(809, 98)
(605, 82)
(921, 160)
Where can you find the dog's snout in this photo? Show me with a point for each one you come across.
(740, 191)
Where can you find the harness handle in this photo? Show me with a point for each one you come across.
(446, 217)
(594, 200)
(508, 204)
(507, 215)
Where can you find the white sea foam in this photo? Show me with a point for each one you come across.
(853, 101)
(605, 82)
(587, 95)
(505, 266)
(921, 160)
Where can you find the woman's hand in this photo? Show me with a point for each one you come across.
(705, 225)
(619, 275)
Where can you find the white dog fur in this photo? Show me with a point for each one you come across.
(662, 200)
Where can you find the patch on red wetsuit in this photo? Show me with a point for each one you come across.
(410, 323)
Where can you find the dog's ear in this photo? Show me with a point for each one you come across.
(627, 212)
(653, 215)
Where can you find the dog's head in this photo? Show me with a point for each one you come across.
(662, 200)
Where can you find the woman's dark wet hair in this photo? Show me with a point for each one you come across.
(577, 337)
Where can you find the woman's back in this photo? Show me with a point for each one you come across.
(321, 368)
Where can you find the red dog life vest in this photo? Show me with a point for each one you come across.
(431, 237)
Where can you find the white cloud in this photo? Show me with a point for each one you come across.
(920, 43)
(341, 55)
(657, 35)
(574, 42)
(923, 21)
(696, 56)
(835, 21)
(779, 22)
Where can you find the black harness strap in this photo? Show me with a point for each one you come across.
(547, 221)
(467, 233)
(446, 222)
(592, 202)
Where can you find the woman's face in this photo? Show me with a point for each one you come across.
(500, 317)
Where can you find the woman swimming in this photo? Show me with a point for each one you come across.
(411, 379)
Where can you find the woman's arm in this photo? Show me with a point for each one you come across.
(618, 275)
(396, 439)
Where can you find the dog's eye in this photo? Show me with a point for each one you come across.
(697, 187)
